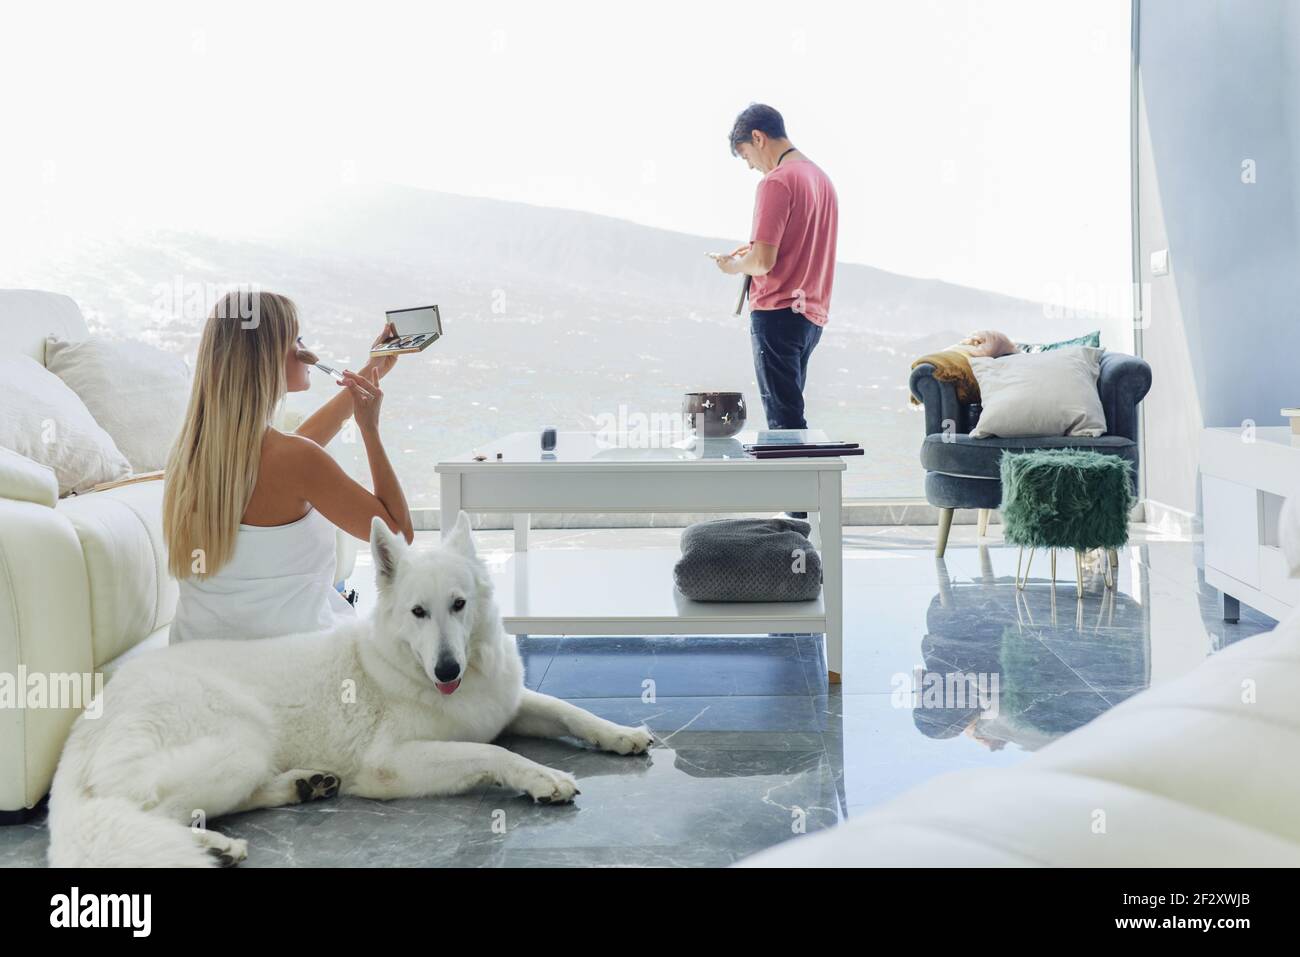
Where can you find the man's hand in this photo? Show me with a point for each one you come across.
(730, 262)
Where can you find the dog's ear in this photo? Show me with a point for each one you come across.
(386, 549)
(461, 539)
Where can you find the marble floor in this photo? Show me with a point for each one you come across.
(754, 747)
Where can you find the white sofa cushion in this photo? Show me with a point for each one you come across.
(135, 391)
(27, 316)
(23, 480)
(45, 627)
(131, 594)
(1192, 773)
(1033, 394)
(1011, 817)
(44, 420)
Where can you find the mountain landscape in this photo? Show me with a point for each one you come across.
(552, 318)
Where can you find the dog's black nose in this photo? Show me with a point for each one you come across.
(446, 670)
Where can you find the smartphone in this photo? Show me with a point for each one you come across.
(416, 329)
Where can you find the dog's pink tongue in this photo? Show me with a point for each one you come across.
(447, 687)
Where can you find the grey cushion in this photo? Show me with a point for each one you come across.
(982, 458)
(749, 559)
(950, 491)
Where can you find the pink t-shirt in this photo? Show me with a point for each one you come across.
(797, 212)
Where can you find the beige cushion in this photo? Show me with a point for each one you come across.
(44, 420)
(1040, 394)
(131, 594)
(23, 480)
(135, 391)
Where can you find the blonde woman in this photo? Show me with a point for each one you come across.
(249, 512)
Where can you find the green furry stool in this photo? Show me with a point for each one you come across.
(1066, 498)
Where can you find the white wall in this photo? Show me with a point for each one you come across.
(1217, 86)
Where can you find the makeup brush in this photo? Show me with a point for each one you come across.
(309, 357)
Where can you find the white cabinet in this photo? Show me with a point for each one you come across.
(1245, 478)
(1231, 523)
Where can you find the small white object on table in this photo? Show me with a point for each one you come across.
(631, 591)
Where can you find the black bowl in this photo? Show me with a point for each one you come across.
(715, 415)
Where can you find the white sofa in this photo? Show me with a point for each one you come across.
(1200, 772)
(83, 580)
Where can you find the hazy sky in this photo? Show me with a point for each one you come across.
(985, 143)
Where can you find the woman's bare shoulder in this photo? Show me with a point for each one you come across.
(283, 477)
(290, 451)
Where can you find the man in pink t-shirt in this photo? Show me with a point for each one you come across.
(790, 259)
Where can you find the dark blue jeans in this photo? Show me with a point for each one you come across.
(783, 342)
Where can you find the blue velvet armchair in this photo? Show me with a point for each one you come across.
(963, 472)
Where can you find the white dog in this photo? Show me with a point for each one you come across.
(400, 705)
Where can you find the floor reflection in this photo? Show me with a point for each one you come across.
(754, 746)
(1005, 665)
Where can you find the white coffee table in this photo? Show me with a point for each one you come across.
(630, 591)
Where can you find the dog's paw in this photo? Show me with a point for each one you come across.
(548, 786)
(316, 785)
(627, 740)
(225, 859)
(228, 851)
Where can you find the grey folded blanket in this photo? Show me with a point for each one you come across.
(749, 559)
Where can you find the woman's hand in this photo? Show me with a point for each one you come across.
(367, 398)
(323, 424)
(381, 364)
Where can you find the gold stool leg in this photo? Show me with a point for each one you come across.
(1021, 582)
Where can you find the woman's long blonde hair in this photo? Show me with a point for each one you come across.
(239, 381)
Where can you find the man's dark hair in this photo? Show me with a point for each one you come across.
(756, 116)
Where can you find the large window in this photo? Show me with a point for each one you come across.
(552, 182)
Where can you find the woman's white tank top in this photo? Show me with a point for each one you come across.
(279, 581)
